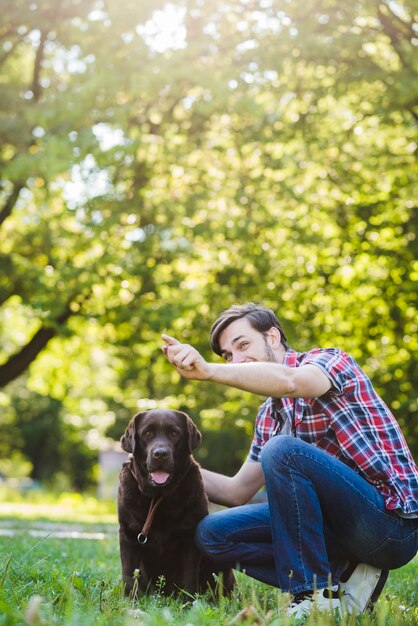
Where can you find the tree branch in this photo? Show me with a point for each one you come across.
(20, 361)
(405, 26)
(395, 36)
(414, 114)
(10, 203)
(36, 85)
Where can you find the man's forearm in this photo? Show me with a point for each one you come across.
(264, 379)
(219, 488)
(235, 490)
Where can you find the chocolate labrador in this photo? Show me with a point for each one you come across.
(161, 499)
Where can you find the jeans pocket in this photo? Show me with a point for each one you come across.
(394, 553)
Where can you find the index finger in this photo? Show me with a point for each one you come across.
(170, 340)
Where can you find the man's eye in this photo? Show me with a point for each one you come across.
(244, 345)
(227, 357)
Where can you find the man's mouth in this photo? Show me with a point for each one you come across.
(159, 477)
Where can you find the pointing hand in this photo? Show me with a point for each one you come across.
(187, 360)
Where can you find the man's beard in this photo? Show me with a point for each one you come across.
(269, 354)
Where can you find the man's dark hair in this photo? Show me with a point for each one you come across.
(260, 318)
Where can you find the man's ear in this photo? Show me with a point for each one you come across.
(195, 437)
(128, 439)
(274, 336)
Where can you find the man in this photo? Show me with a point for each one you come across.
(342, 485)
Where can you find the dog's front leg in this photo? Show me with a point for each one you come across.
(133, 574)
(188, 572)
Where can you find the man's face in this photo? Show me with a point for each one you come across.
(241, 343)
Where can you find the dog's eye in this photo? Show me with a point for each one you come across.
(147, 434)
(174, 434)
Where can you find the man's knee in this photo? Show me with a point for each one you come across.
(203, 534)
(210, 535)
(278, 449)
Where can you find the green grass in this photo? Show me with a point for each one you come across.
(76, 582)
(59, 507)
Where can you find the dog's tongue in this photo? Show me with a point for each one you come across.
(160, 477)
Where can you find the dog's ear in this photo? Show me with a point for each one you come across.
(195, 438)
(128, 439)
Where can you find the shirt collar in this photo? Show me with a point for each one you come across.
(290, 358)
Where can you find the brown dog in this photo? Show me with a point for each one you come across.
(161, 499)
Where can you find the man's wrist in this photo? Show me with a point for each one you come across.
(211, 369)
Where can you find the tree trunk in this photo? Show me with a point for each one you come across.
(20, 361)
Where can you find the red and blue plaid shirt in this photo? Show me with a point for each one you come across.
(350, 422)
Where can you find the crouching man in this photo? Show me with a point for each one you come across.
(341, 482)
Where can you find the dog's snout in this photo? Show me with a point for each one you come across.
(160, 453)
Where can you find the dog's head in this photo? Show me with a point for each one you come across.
(161, 442)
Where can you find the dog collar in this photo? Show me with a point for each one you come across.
(143, 535)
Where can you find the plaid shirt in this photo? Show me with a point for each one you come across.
(350, 422)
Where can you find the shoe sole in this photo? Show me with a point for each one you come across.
(377, 590)
(363, 603)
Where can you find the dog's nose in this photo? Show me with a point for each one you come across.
(160, 453)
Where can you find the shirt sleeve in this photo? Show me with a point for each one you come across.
(336, 365)
(258, 440)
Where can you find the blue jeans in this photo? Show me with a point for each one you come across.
(320, 515)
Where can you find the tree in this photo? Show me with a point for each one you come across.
(266, 153)
(34, 429)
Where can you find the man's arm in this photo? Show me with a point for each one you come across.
(272, 379)
(235, 490)
(265, 379)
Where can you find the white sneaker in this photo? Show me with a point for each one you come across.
(362, 588)
(323, 601)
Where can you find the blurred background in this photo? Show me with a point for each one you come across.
(162, 161)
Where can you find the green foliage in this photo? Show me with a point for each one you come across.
(266, 154)
(35, 429)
